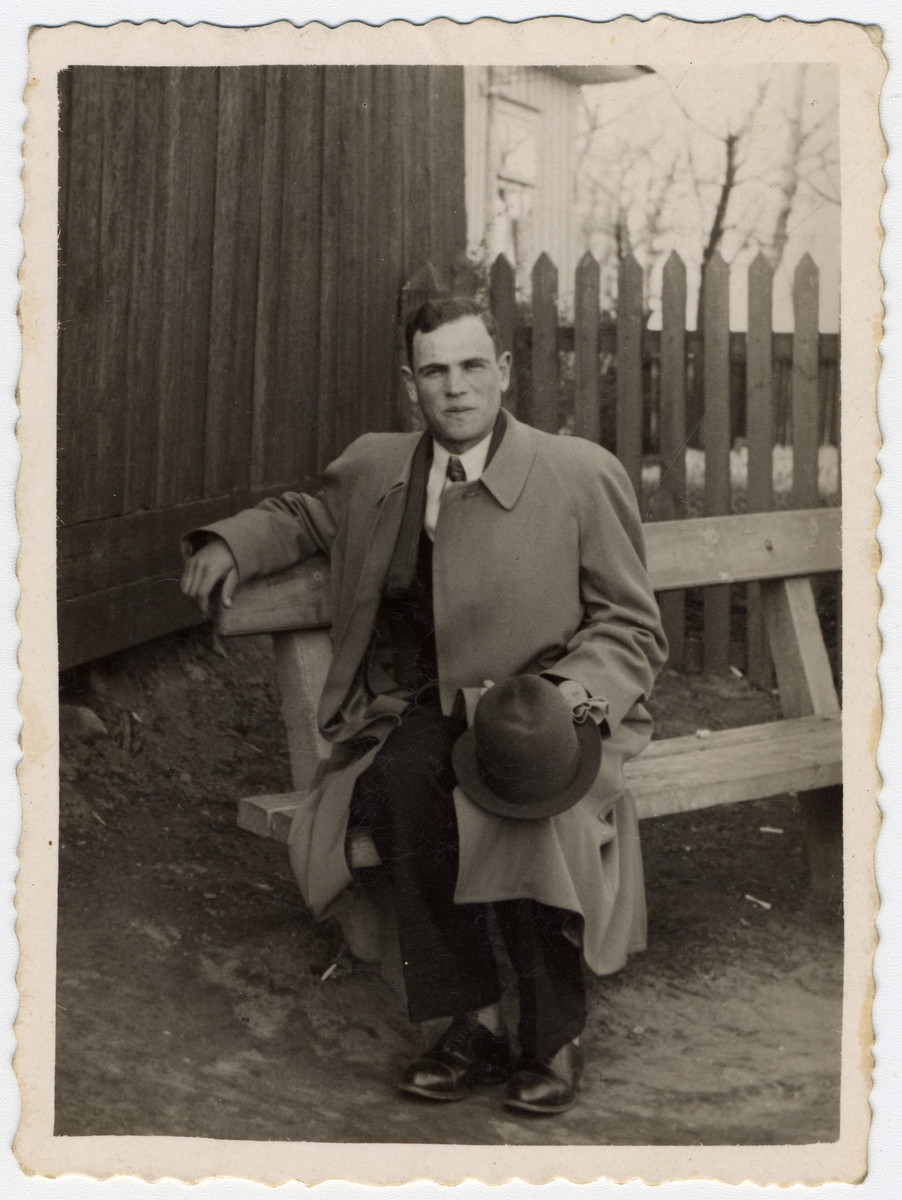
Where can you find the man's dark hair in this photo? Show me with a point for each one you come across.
(442, 310)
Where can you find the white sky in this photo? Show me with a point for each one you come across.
(661, 140)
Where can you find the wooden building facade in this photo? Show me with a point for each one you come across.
(522, 125)
(233, 243)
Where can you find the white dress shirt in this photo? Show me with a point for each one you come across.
(473, 463)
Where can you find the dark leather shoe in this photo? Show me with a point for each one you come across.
(467, 1053)
(549, 1086)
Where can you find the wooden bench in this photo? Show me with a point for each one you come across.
(801, 753)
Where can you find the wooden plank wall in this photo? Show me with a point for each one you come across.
(233, 243)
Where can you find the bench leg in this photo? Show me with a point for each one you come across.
(822, 810)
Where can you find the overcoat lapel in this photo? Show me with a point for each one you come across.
(353, 636)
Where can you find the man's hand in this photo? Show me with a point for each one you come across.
(211, 565)
(574, 693)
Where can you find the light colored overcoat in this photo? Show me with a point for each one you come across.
(537, 567)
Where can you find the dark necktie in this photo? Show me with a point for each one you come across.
(455, 472)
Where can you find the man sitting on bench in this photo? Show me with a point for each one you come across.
(481, 550)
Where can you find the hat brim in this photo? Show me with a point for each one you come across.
(463, 756)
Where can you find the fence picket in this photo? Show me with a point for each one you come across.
(544, 402)
(502, 299)
(804, 385)
(629, 369)
(673, 434)
(805, 410)
(503, 303)
(716, 434)
(421, 286)
(587, 394)
(760, 437)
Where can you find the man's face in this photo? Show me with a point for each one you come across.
(458, 381)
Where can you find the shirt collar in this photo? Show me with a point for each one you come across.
(472, 460)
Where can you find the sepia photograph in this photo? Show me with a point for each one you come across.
(454, 601)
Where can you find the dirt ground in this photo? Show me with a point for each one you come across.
(196, 997)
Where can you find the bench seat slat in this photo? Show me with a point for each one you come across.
(732, 765)
(729, 766)
(268, 816)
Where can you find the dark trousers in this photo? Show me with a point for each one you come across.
(405, 799)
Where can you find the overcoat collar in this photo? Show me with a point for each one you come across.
(506, 474)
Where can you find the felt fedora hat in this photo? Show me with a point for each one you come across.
(524, 756)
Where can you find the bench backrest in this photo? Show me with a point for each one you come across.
(752, 547)
(779, 550)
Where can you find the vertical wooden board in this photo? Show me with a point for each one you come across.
(350, 404)
(330, 236)
(759, 387)
(64, 123)
(823, 403)
(629, 369)
(145, 292)
(717, 630)
(543, 407)
(804, 385)
(411, 94)
(502, 299)
(80, 318)
(382, 352)
(350, 416)
(782, 409)
(716, 434)
(383, 344)
(420, 280)
(673, 387)
(717, 408)
(267, 364)
(503, 303)
(760, 437)
(189, 130)
(587, 399)
(673, 434)
(236, 258)
(360, 330)
(103, 489)
(651, 394)
(421, 165)
(292, 415)
(738, 398)
(446, 137)
(374, 366)
(405, 141)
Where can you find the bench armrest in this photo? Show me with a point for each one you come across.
(298, 598)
